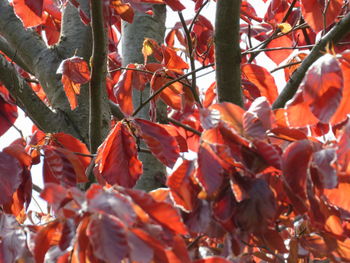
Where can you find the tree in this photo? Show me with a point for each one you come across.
(270, 178)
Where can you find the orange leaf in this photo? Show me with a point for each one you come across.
(117, 158)
(262, 79)
(124, 10)
(26, 14)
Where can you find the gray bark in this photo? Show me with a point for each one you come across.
(32, 53)
(144, 26)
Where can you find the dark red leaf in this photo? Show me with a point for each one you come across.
(295, 164)
(58, 167)
(13, 243)
(139, 250)
(323, 87)
(112, 203)
(212, 260)
(117, 158)
(324, 162)
(35, 5)
(175, 5)
(255, 213)
(209, 172)
(8, 115)
(10, 176)
(163, 213)
(159, 141)
(108, 238)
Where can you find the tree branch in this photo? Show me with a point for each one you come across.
(12, 54)
(29, 102)
(26, 41)
(75, 36)
(334, 35)
(98, 76)
(116, 111)
(193, 87)
(227, 51)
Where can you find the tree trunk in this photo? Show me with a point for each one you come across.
(144, 26)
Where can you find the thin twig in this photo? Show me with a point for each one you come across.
(192, 63)
(186, 127)
(167, 85)
(286, 66)
(333, 36)
(196, 15)
(275, 33)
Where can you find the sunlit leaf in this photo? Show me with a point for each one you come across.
(312, 11)
(159, 141)
(262, 79)
(117, 157)
(75, 72)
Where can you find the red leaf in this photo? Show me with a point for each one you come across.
(10, 177)
(47, 237)
(54, 194)
(26, 14)
(253, 214)
(123, 90)
(124, 10)
(172, 61)
(344, 106)
(312, 12)
(72, 144)
(295, 163)
(163, 213)
(212, 260)
(172, 94)
(175, 5)
(322, 87)
(174, 132)
(209, 172)
(117, 158)
(339, 197)
(210, 95)
(258, 119)
(261, 78)
(75, 71)
(112, 203)
(299, 113)
(159, 141)
(108, 238)
(58, 168)
(8, 115)
(276, 11)
(181, 186)
(230, 113)
(269, 152)
(279, 56)
(35, 5)
(17, 150)
(324, 162)
(139, 250)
